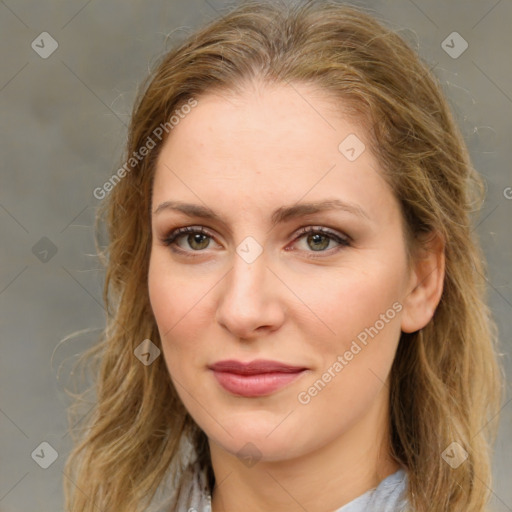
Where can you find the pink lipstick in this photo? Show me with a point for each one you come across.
(257, 378)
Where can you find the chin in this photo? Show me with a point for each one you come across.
(260, 440)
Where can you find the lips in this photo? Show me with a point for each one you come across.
(256, 378)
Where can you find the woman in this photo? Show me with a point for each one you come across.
(295, 294)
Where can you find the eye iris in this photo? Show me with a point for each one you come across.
(316, 237)
(199, 238)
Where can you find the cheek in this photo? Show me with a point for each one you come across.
(179, 305)
(168, 293)
(362, 311)
(163, 295)
(355, 298)
(354, 366)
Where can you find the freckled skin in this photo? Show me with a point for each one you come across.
(243, 157)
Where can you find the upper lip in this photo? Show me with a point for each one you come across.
(255, 367)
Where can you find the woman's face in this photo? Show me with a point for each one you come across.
(325, 307)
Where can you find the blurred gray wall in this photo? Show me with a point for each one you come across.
(62, 129)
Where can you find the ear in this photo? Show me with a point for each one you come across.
(425, 283)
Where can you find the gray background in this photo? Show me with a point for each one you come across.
(63, 126)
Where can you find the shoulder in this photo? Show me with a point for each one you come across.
(389, 496)
(194, 493)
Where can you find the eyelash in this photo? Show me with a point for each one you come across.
(171, 238)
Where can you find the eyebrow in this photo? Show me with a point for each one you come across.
(282, 214)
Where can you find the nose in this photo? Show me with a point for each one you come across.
(250, 301)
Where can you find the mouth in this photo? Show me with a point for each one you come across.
(255, 379)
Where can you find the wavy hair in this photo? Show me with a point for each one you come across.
(446, 380)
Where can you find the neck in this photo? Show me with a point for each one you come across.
(318, 481)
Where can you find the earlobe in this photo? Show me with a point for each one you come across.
(426, 284)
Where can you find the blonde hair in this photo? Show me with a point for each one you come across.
(445, 380)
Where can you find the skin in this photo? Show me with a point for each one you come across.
(244, 156)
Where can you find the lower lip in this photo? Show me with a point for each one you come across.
(255, 385)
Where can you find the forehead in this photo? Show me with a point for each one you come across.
(261, 113)
(268, 144)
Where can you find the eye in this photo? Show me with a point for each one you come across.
(197, 239)
(318, 239)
